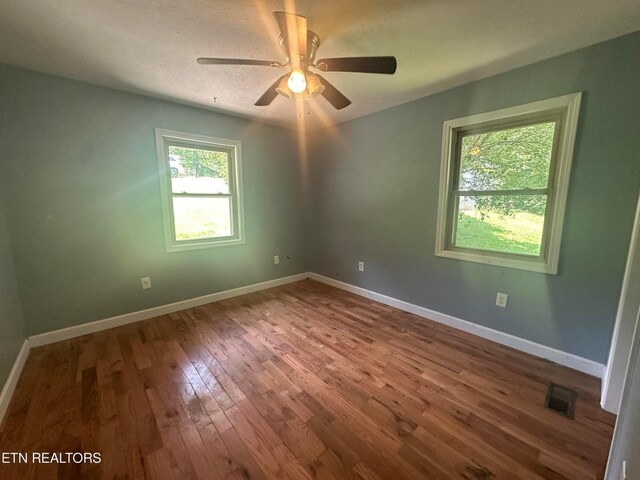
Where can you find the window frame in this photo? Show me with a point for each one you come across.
(565, 110)
(167, 138)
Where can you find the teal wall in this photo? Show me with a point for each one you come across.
(375, 194)
(12, 331)
(80, 187)
(80, 184)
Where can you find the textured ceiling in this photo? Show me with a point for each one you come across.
(151, 46)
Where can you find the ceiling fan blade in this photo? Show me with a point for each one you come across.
(385, 65)
(270, 95)
(294, 33)
(235, 61)
(333, 95)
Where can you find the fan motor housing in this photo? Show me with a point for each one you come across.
(313, 43)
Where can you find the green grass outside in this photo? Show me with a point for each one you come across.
(519, 233)
(201, 218)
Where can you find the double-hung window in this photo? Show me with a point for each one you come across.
(503, 184)
(201, 187)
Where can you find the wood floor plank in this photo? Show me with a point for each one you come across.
(300, 381)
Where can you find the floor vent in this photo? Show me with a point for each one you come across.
(561, 399)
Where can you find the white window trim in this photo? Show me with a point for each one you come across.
(171, 244)
(570, 104)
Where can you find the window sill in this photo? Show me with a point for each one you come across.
(488, 258)
(204, 244)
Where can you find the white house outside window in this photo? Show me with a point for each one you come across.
(201, 187)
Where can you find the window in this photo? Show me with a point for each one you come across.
(503, 184)
(201, 186)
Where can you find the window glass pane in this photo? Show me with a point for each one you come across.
(196, 170)
(197, 218)
(508, 159)
(504, 223)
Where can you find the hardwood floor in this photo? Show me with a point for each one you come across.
(300, 381)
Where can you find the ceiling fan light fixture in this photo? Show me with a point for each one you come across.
(314, 86)
(304, 95)
(297, 81)
(283, 88)
(300, 46)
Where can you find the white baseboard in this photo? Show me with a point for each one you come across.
(107, 323)
(12, 379)
(563, 358)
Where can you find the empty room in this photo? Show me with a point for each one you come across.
(297, 239)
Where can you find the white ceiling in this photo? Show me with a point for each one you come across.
(151, 46)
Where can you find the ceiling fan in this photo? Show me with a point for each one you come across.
(300, 46)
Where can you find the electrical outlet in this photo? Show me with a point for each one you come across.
(276, 259)
(146, 283)
(361, 266)
(501, 300)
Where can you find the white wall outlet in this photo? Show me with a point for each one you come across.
(146, 283)
(501, 300)
(361, 266)
(276, 259)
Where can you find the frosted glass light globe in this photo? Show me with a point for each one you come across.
(297, 83)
